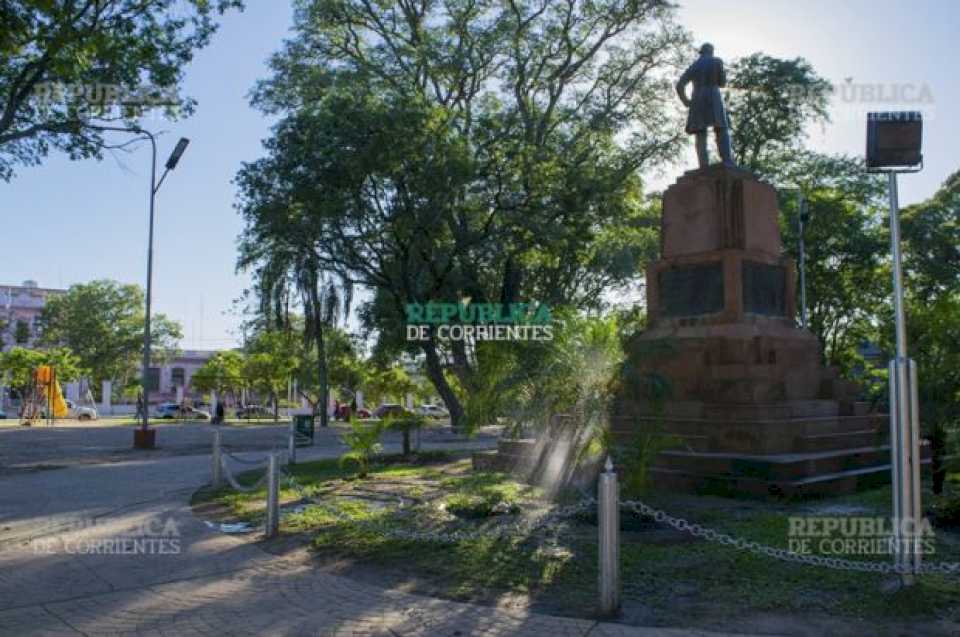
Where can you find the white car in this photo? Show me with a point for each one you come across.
(433, 411)
(80, 412)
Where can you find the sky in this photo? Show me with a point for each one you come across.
(69, 222)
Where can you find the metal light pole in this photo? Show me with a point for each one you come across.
(893, 145)
(801, 220)
(143, 439)
(154, 187)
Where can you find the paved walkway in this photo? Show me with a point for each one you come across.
(186, 579)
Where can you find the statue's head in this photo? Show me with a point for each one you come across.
(706, 49)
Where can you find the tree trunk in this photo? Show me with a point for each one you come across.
(406, 441)
(435, 373)
(276, 407)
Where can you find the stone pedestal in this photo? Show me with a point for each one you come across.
(748, 408)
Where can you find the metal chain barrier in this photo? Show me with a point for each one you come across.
(233, 481)
(237, 458)
(774, 552)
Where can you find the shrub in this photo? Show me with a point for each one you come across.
(364, 442)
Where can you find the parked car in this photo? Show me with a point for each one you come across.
(171, 411)
(341, 412)
(80, 412)
(254, 411)
(433, 411)
(389, 409)
(3, 415)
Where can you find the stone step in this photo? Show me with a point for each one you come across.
(783, 444)
(775, 436)
(776, 410)
(836, 483)
(774, 467)
(844, 439)
(832, 484)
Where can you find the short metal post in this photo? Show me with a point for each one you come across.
(273, 496)
(217, 460)
(608, 518)
(292, 444)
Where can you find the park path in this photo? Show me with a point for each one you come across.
(53, 583)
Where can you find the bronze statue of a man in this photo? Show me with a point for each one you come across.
(706, 104)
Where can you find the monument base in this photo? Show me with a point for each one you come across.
(723, 379)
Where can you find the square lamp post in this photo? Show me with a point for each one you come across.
(893, 146)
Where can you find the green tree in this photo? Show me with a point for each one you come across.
(90, 45)
(222, 373)
(102, 322)
(846, 245)
(390, 384)
(272, 361)
(19, 364)
(770, 101)
(465, 149)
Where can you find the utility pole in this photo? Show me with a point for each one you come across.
(801, 221)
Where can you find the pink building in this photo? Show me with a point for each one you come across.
(20, 308)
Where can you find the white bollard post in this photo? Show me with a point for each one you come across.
(217, 460)
(292, 444)
(608, 524)
(273, 496)
(106, 391)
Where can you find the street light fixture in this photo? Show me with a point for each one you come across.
(144, 437)
(893, 146)
(802, 218)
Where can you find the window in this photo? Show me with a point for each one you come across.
(177, 377)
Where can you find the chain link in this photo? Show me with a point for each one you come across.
(778, 553)
(233, 481)
(526, 526)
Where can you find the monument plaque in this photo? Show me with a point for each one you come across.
(764, 289)
(691, 290)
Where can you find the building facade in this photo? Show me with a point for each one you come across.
(20, 308)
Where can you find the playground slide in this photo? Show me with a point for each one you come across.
(48, 384)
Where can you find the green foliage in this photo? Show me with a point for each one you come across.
(102, 323)
(18, 365)
(413, 173)
(770, 102)
(223, 373)
(406, 424)
(363, 439)
(390, 384)
(271, 361)
(847, 248)
(122, 43)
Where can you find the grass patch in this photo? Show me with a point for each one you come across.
(678, 580)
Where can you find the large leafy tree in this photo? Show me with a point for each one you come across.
(271, 363)
(102, 322)
(846, 243)
(222, 373)
(93, 46)
(770, 102)
(467, 149)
